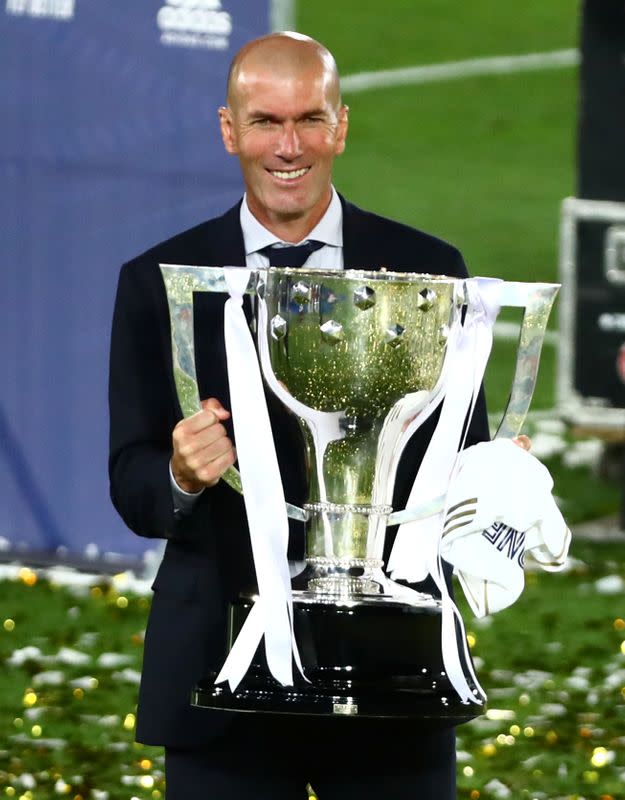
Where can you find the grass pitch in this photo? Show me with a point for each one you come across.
(553, 666)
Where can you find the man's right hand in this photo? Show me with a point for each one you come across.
(202, 451)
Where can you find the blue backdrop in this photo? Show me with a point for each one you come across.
(108, 144)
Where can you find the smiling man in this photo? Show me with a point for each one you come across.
(285, 122)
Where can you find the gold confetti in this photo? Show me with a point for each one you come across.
(599, 757)
(145, 763)
(122, 602)
(8, 625)
(27, 576)
(591, 776)
(30, 698)
(619, 624)
(36, 730)
(96, 592)
(551, 737)
(515, 730)
(147, 781)
(129, 722)
(78, 693)
(475, 794)
(468, 772)
(471, 640)
(489, 749)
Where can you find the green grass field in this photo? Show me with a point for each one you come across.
(553, 666)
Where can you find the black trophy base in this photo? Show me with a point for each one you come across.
(369, 658)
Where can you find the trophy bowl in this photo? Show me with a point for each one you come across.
(341, 350)
(357, 356)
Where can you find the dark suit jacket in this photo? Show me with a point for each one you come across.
(208, 556)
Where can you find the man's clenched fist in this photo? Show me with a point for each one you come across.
(202, 451)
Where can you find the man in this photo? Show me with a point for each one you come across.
(285, 122)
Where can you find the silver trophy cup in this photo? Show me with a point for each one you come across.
(357, 356)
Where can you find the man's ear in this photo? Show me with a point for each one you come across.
(343, 125)
(226, 126)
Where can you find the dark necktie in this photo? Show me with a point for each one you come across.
(292, 256)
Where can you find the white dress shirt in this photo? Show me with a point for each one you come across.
(328, 230)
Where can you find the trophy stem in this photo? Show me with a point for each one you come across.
(353, 565)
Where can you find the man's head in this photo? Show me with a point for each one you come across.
(286, 124)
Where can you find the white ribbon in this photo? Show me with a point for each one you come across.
(416, 552)
(272, 613)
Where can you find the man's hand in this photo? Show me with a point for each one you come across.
(202, 449)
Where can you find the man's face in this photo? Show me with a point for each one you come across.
(286, 131)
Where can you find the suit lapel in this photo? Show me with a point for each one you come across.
(357, 245)
(224, 240)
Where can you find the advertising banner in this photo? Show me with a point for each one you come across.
(109, 143)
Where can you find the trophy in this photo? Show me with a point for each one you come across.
(361, 358)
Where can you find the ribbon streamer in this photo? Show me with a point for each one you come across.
(416, 552)
(272, 613)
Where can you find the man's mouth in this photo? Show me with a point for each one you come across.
(289, 175)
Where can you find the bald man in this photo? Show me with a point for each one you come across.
(285, 122)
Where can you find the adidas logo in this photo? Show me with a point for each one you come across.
(194, 23)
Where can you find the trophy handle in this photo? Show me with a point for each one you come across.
(537, 300)
(180, 284)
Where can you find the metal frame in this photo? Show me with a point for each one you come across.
(572, 406)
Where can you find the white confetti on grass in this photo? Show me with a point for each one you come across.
(583, 453)
(553, 710)
(546, 445)
(80, 583)
(532, 679)
(498, 789)
(113, 660)
(578, 683)
(71, 657)
(49, 678)
(615, 680)
(127, 675)
(109, 721)
(610, 584)
(22, 655)
(85, 682)
(41, 743)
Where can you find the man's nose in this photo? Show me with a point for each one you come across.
(289, 144)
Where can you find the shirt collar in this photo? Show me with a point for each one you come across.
(328, 230)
